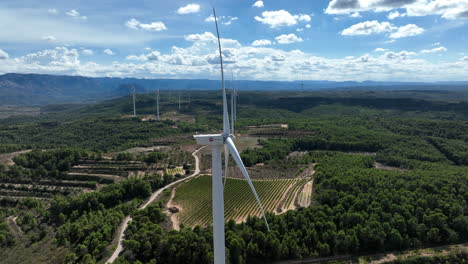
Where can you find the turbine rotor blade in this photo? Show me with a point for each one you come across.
(240, 164)
(226, 164)
(226, 127)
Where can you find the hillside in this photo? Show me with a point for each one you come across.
(41, 89)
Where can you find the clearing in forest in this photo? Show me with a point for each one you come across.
(193, 198)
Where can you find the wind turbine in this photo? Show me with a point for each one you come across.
(157, 104)
(217, 141)
(133, 95)
(179, 101)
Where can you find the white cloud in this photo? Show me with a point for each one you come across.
(87, 52)
(132, 23)
(402, 55)
(75, 14)
(58, 57)
(152, 56)
(3, 55)
(288, 39)
(258, 4)
(188, 9)
(436, 44)
(407, 31)
(281, 18)
(204, 37)
(203, 40)
(376, 27)
(153, 26)
(434, 50)
(52, 11)
(368, 28)
(395, 14)
(199, 60)
(449, 9)
(226, 20)
(262, 42)
(299, 29)
(49, 38)
(307, 26)
(108, 52)
(232, 19)
(304, 18)
(380, 50)
(465, 58)
(355, 15)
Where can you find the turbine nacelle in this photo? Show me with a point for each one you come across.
(212, 139)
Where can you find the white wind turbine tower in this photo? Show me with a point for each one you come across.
(133, 95)
(217, 141)
(179, 101)
(157, 104)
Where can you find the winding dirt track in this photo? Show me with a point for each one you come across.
(153, 196)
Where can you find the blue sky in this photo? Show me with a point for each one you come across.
(405, 40)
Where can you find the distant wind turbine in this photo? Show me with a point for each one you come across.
(179, 101)
(134, 106)
(217, 141)
(157, 104)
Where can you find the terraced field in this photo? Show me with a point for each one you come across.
(86, 176)
(105, 171)
(193, 198)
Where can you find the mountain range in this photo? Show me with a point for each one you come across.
(41, 89)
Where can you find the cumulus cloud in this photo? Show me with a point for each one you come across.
(52, 11)
(449, 9)
(75, 14)
(465, 58)
(152, 56)
(288, 39)
(153, 26)
(204, 37)
(199, 59)
(380, 50)
(376, 27)
(87, 52)
(355, 15)
(3, 55)
(281, 18)
(407, 31)
(402, 55)
(261, 42)
(225, 20)
(308, 26)
(58, 57)
(188, 9)
(395, 14)
(108, 52)
(258, 4)
(434, 50)
(49, 38)
(368, 28)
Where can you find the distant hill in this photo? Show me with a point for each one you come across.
(41, 89)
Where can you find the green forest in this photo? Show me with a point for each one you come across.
(356, 208)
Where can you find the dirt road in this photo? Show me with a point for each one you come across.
(153, 197)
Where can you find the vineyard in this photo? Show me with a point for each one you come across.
(175, 171)
(193, 198)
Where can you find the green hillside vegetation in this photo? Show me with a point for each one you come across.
(355, 207)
